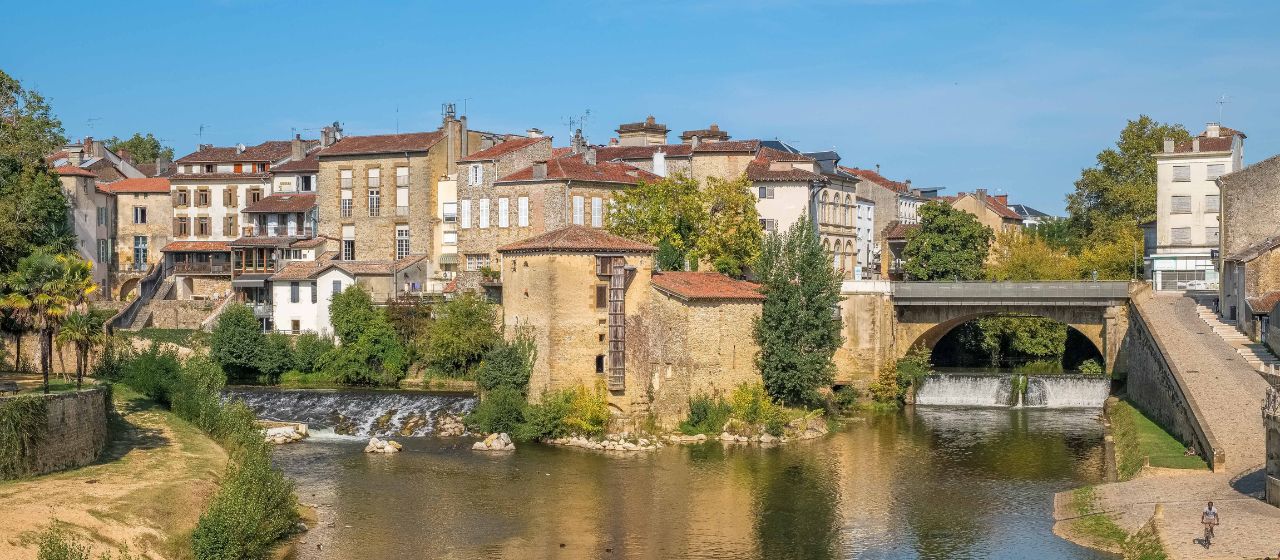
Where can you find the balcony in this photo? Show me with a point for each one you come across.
(305, 232)
(260, 309)
(201, 268)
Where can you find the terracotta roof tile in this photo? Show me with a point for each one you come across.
(302, 270)
(1262, 305)
(197, 246)
(609, 153)
(284, 202)
(145, 185)
(993, 204)
(311, 163)
(575, 168)
(760, 169)
(383, 143)
(71, 170)
(498, 150)
(572, 239)
(1220, 143)
(878, 179)
(706, 286)
(178, 177)
(269, 151)
(729, 146)
(310, 243)
(899, 230)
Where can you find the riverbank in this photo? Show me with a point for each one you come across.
(147, 492)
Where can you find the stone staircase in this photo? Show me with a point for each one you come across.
(1256, 354)
(143, 318)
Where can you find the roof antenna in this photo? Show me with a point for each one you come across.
(397, 118)
(201, 132)
(1222, 100)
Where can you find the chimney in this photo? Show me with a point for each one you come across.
(539, 170)
(1003, 198)
(659, 163)
(613, 141)
(578, 143)
(1195, 144)
(878, 170)
(204, 147)
(590, 158)
(534, 132)
(162, 164)
(298, 148)
(1168, 145)
(981, 195)
(695, 141)
(1212, 130)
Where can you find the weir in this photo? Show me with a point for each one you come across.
(355, 413)
(1049, 391)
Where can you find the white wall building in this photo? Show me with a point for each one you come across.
(867, 243)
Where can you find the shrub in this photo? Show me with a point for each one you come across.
(22, 425)
(152, 372)
(912, 368)
(197, 395)
(502, 410)
(1091, 367)
(885, 389)
(463, 332)
(576, 411)
(276, 356)
(349, 312)
(508, 364)
(308, 349)
(376, 357)
(707, 415)
(237, 343)
(845, 398)
(750, 403)
(56, 543)
(253, 509)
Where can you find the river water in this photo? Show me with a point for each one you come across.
(926, 482)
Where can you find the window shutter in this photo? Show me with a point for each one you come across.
(504, 213)
(1216, 170)
(464, 214)
(1182, 173)
(597, 212)
(1211, 235)
(1181, 205)
(522, 211)
(1212, 203)
(1181, 235)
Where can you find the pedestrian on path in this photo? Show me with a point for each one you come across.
(1210, 520)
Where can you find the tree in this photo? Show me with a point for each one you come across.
(1023, 337)
(796, 331)
(508, 364)
(142, 149)
(373, 357)
(1116, 258)
(237, 343)
(669, 209)
(276, 356)
(28, 129)
(350, 311)
(33, 213)
(732, 236)
(668, 257)
(82, 330)
(464, 331)
(46, 287)
(950, 244)
(1021, 257)
(308, 350)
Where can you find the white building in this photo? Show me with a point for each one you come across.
(868, 245)
(1188, 206)
(302, 290)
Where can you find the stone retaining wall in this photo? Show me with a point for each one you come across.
(1271, 425)
(76, 430)
(179, 313)
(1155, 384)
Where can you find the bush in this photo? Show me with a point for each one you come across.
(23, 424)
(308, 349)
(237, 343)
(707, 415)
(276, 356)
(349, 312)
(576, 411)
(56, 543)
(376, 357)
(750, 403)
(912, 368)
(152, 372)
(253, 509)
(845, 398)
(1091, 367)
(463, 332)
(196, 396)
(508, 364)
(502, 410)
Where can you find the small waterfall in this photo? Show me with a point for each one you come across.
(965, 390)
(354, 413)
(1067, 391)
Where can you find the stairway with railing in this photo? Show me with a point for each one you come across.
(150, 284)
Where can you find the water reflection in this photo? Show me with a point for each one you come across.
(926, 483)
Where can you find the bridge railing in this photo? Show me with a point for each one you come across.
(1014, 293)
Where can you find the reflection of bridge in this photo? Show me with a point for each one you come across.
(925, 311)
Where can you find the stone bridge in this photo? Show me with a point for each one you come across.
(925, 311)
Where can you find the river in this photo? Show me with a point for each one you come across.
(926, 482)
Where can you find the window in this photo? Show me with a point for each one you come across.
(1181, 235)
(600, 363)
(348, 249)
(104, 250)
(476, 262)
(305, 183)
(344, 178)
(1211, 236)
(766, 192)
(597, 212)
(312, 285)
(464, 214)
(577, 210)
(181, 197)
(484, 213)
(450, 238)
(181, 227)
(522, 211)
(1212, 203)
(345, 209)
(402, 201)
(504, 213)
(1215, 170)
(450, 211)
(1181, 204)
(402, 241)
(209, 168)
(202, 197)
(293, 292)
(229, 225)
(229, 198)
(374, 177)
(337, 287)
(475, 174)
(102, 216)
(375, 201)
(202, 226)
(402, 176)
(604, 265)
(769, 225)
(1182, 173)
(602, 296)
(255, 194)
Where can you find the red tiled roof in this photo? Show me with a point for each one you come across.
(575, 168)
(729, 146)
(706, 286)
(608, 153)
(309, 243)
(573, 239)
(993, 204)
(284, 202)
(878, 179)
(144, 185)
(760, 168)
(309, 163)
(1262, 305)
(383, 143)
(60, 154)
(72, 170)
(178, 177)
(269, 151)
(301, 270)
(498, 150)
(561, 152)
(1220, 143)
(451, 287)
(197, 246)
(899, 230)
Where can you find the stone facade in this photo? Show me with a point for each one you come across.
(1250, 201)
(1271, 425)
(75, 431)
(476, 180)
(177, 313)
(867, 327)
(156, 228)
(374, 231)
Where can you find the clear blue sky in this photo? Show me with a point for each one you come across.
(1012, 96)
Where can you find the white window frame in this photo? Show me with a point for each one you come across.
(373, 177)
(475, 174)
(449, 212)
(464, 213)
(402, 241)
(597, 212)
(522, 211)
(139, 214)
(577, 210)
(484, 213)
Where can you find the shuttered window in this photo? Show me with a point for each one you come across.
(602, 296)
(1180, 205)
(1211, 236)
(522, 211)
(1215, 170)
(577, 210)
(504, 213)
(484, 213)
(1212, 203)
(1181, 235)
(1182, 173)
(464, 214)
(597, 212)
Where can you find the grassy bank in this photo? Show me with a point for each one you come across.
(1092, 527)
(1140, 441)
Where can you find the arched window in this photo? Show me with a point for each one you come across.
(822, 208)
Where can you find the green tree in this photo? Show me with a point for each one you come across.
(28, 129)
(668, 257)
(84, 331)
(1020, 257)
(46, 287)
(142, 149)
(1117, 257)
(237, 343)
(1022, 338)
(669, 209)
(732, 236)
(276, 356)
(33, 213)
(796, 331)
(508, 364)
(350, 311)
(1054, 231)
(950, 244)
(308, 350)
(463, 332)
(374, 357)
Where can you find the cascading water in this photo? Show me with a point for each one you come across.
(355, 413)
(1049, 391)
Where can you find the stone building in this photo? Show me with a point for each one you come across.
(1250, 201)
(490, 215)
(143, 210)
(1271, 427)
(1188, 206)
(645, 133)
(601, 315)
(992, 210)
(895, 201)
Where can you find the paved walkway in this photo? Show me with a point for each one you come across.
(1229, 392)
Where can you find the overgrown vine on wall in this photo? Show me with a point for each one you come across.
(22, 426)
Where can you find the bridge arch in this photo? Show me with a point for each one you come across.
(1093, 333)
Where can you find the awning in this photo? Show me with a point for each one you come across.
(448, 258)
(250, 281)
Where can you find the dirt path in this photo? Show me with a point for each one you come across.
(147, 492)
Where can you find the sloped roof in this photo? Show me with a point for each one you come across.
(874, 177)
(310, 163)
(760, 168)
(197, 246)
(1221, 143)
(371, 268)
(993, 204)
(503, 148)
(302, 270)
(607, 153)
(72, 170)
(144, 185)
(899, 230)
(269, 151)
(1262, 305)
(284, 202)
(575, 239)
(575, 168)
(383, 143)
(705, 286)
(729, 146)
(218, 176)
(1256, 250)
(1027, 211)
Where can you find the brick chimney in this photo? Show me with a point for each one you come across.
(298, 148)
(539, 170)
(1003, 198)
(162, 164)
(124, 155)
(578, 143)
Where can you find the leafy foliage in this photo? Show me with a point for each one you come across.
(463, 332)
(574, 411)
(950, 244)
(668, 257)
(1091, 367)
(46, 287)
(501, 410)
(308, 349)
(1020, 337)
(509, 364)
(22, 425)
(276, 356)
(731, 239)
(33, 213)
(411, 318)
(350, 311)
(237, 343)
(28, 129)
(912, 368)
(83, 331)
(796, 331)
(374, 357)
(152, 372)
(142, 149)
(58, 543)
(750, 404)
(669, 209)
(707, 415)
(1020, 257)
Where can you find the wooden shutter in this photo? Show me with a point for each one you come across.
(176, 231)
(602, 296)
(1182, 173)
(1181, 205)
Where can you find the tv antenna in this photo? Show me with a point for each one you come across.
(1222, 100)
(89, 121)
(200, 132)
(578, 122)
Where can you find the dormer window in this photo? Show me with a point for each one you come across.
(209, 167)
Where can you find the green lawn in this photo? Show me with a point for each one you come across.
(1138, 437)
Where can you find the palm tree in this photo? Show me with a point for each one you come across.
(46, 287)
(84, 331)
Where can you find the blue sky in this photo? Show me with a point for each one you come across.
(1016, 97)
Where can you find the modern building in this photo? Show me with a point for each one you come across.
(1188, 205)
(1030, 216)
